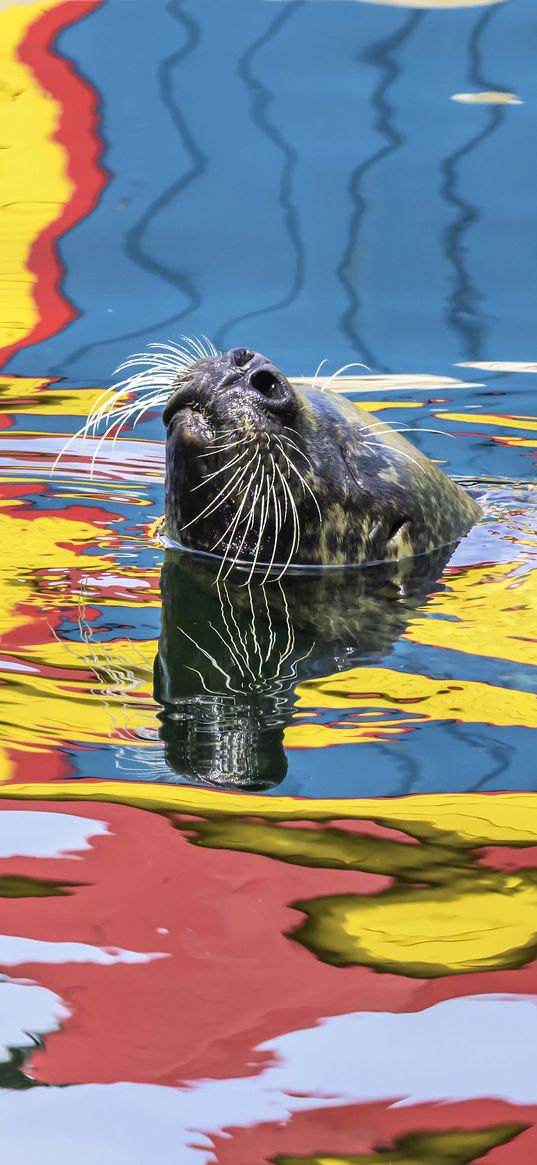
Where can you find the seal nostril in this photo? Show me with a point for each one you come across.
(265, 382)
(242, 356)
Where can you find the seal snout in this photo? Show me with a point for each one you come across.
(184, 398)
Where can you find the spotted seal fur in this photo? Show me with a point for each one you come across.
(264, 473)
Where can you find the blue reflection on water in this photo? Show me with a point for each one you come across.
(297, 177)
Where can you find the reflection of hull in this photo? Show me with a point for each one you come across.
(56, 139)
(233, 981)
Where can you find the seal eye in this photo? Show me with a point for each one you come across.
(242, 356)
(265, 382)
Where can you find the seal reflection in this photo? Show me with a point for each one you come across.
(230, 655)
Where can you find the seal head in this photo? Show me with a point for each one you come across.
(265, 474)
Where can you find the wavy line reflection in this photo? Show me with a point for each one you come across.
(261, 99)
(382, 54)
(134, 238)
(463, 312)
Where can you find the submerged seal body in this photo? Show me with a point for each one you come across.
(261, 472)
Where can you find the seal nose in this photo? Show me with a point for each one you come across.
(240, 357)
(269, 383)
(252, 371)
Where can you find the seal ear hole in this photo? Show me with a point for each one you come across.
(242, 356)
(265, 382)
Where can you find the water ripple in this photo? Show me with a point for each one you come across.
(262, 97)
(382, 54)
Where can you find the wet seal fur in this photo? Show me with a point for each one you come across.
(263, 473)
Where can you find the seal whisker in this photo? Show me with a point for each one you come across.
(99, 444)
(290, 631)
(164, 348)
(262, 524)
(398, 452)
(222, 588)
(218, 501)
(249, 519)
(272, 633)
(208, 656)
(211, 350)
(158, 368)
(229, 647)
(314, 381)
(162, 357)
(291, 444)
(235, 521)
(223, 468)
(231, 529)
(400, 428)
(221, 442)
(122, 416)
(137, 411)
(234, 488)
(296, 526)
(253, 632)
(296, 523)
(191, 349)
(272, 495)
(284, 519)
(157, 385)
(302, 479)
(196, 344)
(81, 434)
(230, 533)
(220, 448)
(340, 371)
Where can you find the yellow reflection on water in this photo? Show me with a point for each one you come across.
(479, 923)
(487, 97)
(80, 691)
(34, 181)
(484, 610)
(445, 913)
(502, 422)
(466, 819)
(455, 1147)
(26, 394)
(372, 691)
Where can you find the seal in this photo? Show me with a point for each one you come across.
(268, 475)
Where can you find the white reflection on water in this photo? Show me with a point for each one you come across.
(33, 834)
(16, 951)
(27, 1010)
(447, 1052)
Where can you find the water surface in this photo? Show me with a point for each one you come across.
(267, 859)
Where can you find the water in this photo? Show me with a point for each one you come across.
(267, 867)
